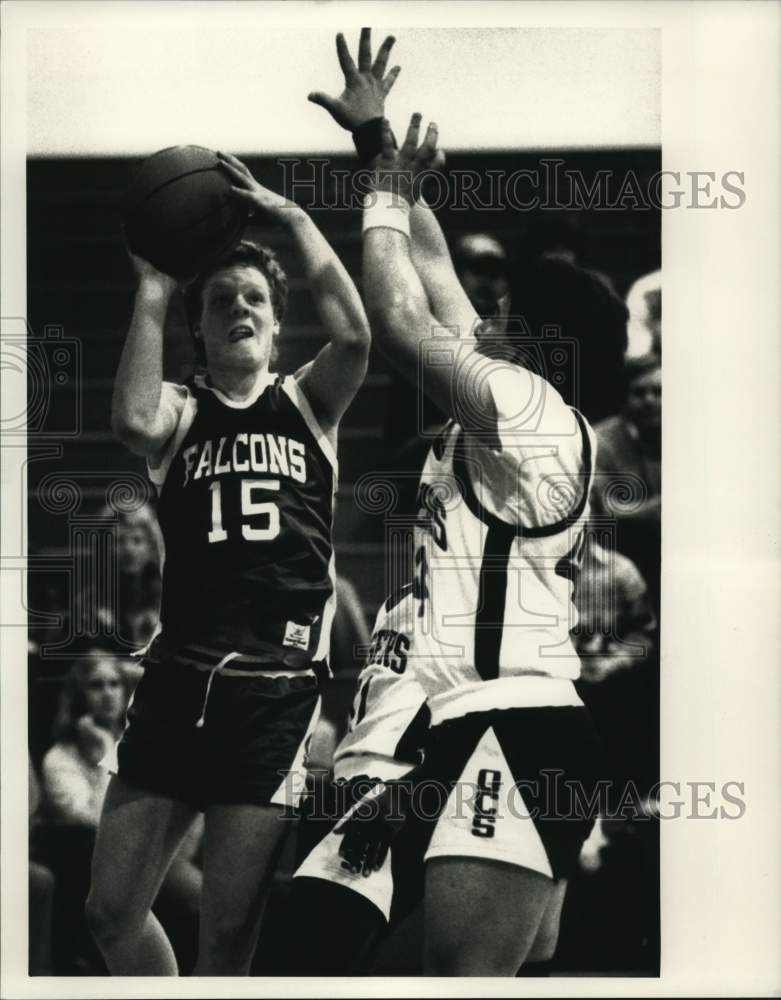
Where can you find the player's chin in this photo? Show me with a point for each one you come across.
(248, 351)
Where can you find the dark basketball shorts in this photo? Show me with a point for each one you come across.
(243, 740)
(518, 785)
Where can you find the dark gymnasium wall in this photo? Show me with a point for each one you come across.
(80, 289)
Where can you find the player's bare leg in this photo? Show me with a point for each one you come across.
(138, 837)
(481, 917)
(537, 962)
(544, 946)
(241, 848)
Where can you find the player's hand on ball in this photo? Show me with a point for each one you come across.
(365, 86)
(266, 205)
(149, 276)
(401, 170)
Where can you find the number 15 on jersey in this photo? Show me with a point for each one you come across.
(250, 507)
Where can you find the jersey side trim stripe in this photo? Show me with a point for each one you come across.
(329, 611)
(492, 595)
(295, 394)
(409, 749)
(397, 597)
(588, 469)
(158, 475)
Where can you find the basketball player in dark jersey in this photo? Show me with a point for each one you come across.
(245, 465)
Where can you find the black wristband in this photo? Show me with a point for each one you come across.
(368, 140)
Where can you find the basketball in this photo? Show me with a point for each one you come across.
(179, 213)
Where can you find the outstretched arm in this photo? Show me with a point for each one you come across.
(366, 87)
(141, 417)
(434, 265)
(420, 314)
(396, 299)
(410, 290)
(330, 381)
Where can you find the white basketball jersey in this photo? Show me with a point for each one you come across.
(498, 533)
(389, 715)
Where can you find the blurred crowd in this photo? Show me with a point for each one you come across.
(78, 702)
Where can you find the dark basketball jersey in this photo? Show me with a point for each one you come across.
(246, 508)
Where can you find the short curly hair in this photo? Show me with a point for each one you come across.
(244, 254)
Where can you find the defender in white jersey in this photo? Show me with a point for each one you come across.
(503, 501)
(494, 546)
(446, 646)
(496, 543)
(483, 631)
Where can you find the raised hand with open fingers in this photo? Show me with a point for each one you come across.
(401, 171)
(366, 85)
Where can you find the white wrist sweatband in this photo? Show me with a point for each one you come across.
(384, 209)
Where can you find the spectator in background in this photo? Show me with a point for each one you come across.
(628, 483)
(140, 559)
(644, 302)
(90, 720)
(129, 615)
(631, 442)
(617, 641)
(480, 261)
(616, 637)
(616, 623)
(118, 612)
